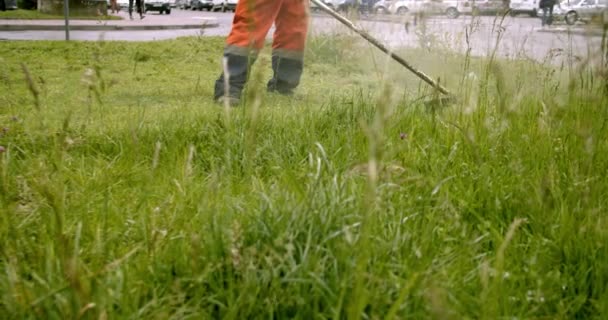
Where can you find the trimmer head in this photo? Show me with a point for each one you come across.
(440, 102)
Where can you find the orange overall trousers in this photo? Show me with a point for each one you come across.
(252, 21)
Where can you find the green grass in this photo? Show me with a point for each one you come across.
(127, 193)
(21, 14)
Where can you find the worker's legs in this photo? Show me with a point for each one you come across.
(252, 20)
(139, 8)
(131, 9)
(288, 46)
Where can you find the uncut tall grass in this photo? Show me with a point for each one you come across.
(127, 193)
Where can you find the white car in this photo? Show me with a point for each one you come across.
(224, 5)
(451, 8)
(333, 4)
(383, 7)
(403, 7)
(529, 7)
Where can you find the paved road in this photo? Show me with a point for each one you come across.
(520, 36)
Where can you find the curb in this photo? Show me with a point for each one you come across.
(583, 32)
(106, 27)
(382, 17)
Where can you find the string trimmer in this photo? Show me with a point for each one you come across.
(384, 49)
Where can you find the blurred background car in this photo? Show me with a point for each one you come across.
(450, 8)
(403, 7)
(333, 4)
(485, 7)
(363, 6)
(224, 5)
(201, 5)
(183, 4)
(454, 8)
(382, 7)
(160, 6)
(8, 5)
(529, 7)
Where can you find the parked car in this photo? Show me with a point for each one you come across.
(529, 7)
(382, 7)
(364, 6)
(183, 4)
(454, 8)
(482, 7)
(224, 5)
(201, 4)
(333, 4)
(157, 5)
(579, 10)
(8, 5)
(450, 8)
(403, 7)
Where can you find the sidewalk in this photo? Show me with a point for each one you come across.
(578, 30)
(151, 21)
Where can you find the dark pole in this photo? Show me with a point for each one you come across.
(66, 14)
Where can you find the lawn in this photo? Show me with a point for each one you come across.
(127, 193)
(21, 14)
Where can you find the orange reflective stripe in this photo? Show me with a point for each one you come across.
(288, 54)
(240, 51)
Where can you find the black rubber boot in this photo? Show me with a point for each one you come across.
(287, 74)
(238, 67)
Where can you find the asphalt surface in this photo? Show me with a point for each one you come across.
(513, 37)
(520, 37)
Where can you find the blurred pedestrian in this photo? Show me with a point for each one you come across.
(114, 6)
(251, 23)
(547, 7)
(140, 8)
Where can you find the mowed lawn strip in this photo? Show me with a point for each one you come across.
(21, 14)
